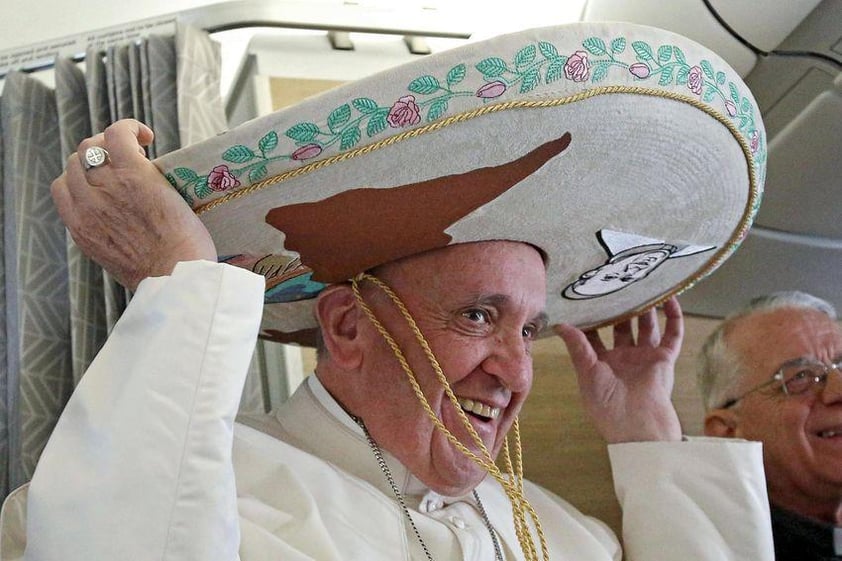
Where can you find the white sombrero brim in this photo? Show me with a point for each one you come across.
(658, 185)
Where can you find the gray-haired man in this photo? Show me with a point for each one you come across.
(770, 372)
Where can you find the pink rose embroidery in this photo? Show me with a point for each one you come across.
(640, 70)
(220, 178)
(306, 152)
(754, 141)
(491, 90)
(695, 80)
(730, 107)
(404, 112)
(576, 67)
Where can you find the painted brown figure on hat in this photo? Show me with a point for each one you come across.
(355, 230)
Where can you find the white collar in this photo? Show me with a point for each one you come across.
(328, 402)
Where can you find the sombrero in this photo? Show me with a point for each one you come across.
(634, 158)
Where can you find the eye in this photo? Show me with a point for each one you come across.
(801, 380)
(477, 315)
(530, 332)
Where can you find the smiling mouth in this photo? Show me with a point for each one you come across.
(479, 409)
(830, 433)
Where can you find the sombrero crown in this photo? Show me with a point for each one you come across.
(632, 156)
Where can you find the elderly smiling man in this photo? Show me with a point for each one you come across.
(421, 227)
(770, 372)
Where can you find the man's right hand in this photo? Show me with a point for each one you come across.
(124, 214)
(627, 389)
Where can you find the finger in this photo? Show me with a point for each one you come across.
(596, 341)
(648, 332)
(95, 175)
(95, 140)
(623, 336)
(62, 198)
(125, 140)
(674, 326)
(579, 345)
(77, 182)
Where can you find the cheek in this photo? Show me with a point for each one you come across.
(457, 361)
(780, 425)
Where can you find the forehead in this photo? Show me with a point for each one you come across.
(505, 267)
(767, 339)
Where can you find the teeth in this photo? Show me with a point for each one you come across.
(478, 408)
(828, 434)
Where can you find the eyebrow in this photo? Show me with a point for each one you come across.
(802, 360)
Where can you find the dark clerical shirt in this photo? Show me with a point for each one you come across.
(803, 539)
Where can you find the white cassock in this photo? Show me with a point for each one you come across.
(142, 466)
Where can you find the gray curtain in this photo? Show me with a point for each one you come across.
(57, 306)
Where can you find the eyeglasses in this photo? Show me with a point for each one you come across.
(795, 377)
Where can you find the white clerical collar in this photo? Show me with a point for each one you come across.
(328, 402)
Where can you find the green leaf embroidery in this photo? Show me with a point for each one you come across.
(531, 78)
(525, 56)
(643, 50)
(709, 94)
(664, 53)
(707, 69)
(365, 105)
(666, 76)
(186, 174)
(303, 132)
(202, 189)
(679, 55)
(618, 45)
(437, 109)
(172, 180)
(492, 67)
(424, 85)
(258, 173)
(745, 106)
(555, 71)
(600, 71)
(338, 117)
(735, 95)
(269, 142)
(681, 75)
(456, 75)
(186, 196)
(349, 138)
(720, 78)
(238, 154)
(548, 50)
(595, 46)
(377, 124)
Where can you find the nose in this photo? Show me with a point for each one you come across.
(832, 392)
(510, 360)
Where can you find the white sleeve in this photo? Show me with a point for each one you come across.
(139, 465)
(702, 499)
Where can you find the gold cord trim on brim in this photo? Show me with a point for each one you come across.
(512, 482)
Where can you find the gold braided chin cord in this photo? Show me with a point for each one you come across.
(512, 482)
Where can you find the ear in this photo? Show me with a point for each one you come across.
(721, 422)
(338, 315)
